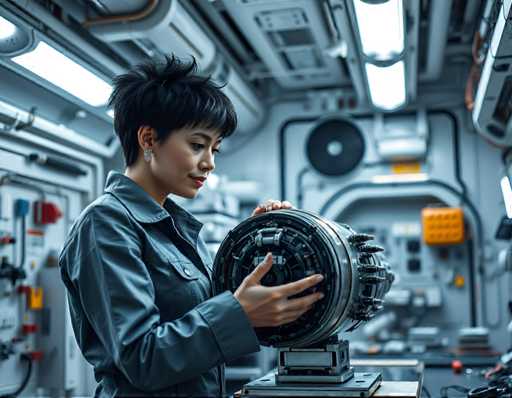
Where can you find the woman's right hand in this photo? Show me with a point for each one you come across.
(269, 305)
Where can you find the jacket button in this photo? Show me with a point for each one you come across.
(187, 271)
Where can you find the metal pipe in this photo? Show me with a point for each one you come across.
(57, 26)
(58, 131)
(342, 18)
(439, 20)
(128, 53)
(478, 56)
(143, 13)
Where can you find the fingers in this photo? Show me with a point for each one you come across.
(257, 210)
(286, 205)
(299, 304)
(261, 269)
(290, 316)
(272, 204)
(299, 286)
(263, 208)
(293, 316)
(275, 204)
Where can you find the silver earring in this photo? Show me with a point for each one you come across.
(147, 154)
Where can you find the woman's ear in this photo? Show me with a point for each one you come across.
(146, 137)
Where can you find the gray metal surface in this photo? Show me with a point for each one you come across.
(61, 369)
(288, 36)
(361, 385)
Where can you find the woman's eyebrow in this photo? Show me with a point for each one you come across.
(207, 138)
(203, 135)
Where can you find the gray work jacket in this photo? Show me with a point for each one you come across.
(138, 278)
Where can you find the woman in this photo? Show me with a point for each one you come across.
(137, 273)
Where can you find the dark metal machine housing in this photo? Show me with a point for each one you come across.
(302, 244)
(356, 278)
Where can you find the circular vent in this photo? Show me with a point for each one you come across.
(335, 147)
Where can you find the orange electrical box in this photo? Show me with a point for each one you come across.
(443, 225)
(35, 298)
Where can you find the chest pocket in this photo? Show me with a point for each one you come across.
(189, 277)
(184, 269)
(178, 287)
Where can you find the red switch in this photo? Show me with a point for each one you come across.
(46, 213)
(29, 328)
(457, 366)
(7, 240)
(24, 289)
(35, 355)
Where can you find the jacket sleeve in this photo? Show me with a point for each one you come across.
(118, 297)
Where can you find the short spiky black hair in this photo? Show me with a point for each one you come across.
(167, 96)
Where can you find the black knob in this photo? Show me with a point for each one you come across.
(370, 248)
(359, 238)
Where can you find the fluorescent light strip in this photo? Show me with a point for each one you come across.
(506, 191)
(397, 178)
(7, 28)
(381, 28)
(386, 85)
(65, 73)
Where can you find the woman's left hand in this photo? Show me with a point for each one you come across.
(270, 205)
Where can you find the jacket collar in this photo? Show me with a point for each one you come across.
(145, 209)
(183, 221)
(138, 202)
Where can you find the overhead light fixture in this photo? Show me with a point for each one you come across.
(63, 72)
(506, 191)
(381, 27)
(399, 178)
(7, 28)
(386, 85)
(110, 112)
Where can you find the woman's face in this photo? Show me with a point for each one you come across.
(184, 160)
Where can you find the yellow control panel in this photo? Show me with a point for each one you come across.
(443, 225)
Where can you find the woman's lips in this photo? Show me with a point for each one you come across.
(199, 181)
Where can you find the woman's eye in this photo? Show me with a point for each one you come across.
(196, 147)
(216, 150)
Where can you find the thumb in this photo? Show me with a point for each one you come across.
(262, 268)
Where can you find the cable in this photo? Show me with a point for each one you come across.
(456, 149)
(426, 392)
(300, 187)
(460, 389)
(25, 381)
(510, 305)
(282, 150)
(472, 280)
(14, 152)
(23, 241)
(499, 384)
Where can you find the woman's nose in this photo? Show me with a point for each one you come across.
(207, 163)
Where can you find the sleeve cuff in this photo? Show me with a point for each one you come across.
(230, 326)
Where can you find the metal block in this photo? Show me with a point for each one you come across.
(361, 385)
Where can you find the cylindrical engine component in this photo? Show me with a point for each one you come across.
(356, 278)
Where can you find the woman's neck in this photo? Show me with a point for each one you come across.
(142, 177)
